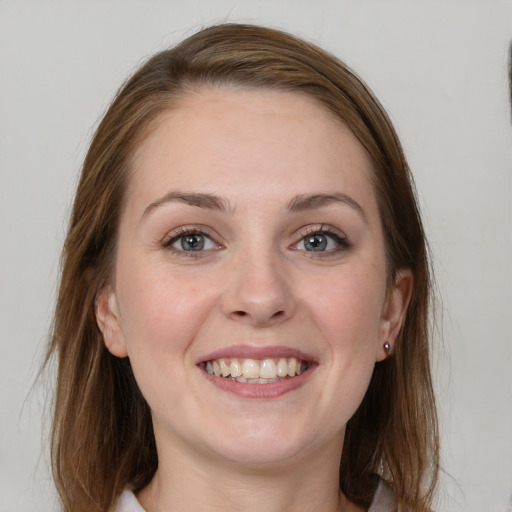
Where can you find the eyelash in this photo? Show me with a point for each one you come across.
(341, 240)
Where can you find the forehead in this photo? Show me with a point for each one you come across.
(243, 141)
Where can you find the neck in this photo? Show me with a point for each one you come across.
(199, 482)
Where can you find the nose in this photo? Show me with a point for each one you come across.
(259, 291)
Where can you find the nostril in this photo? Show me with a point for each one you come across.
(242, 314)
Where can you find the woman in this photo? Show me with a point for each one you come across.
(243, 313)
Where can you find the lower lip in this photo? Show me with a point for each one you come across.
(271, 390)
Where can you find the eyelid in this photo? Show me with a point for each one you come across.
(321, 228)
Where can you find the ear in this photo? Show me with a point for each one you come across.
(107, 317)
(394, 311)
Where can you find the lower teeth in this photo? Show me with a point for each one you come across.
(243, 380)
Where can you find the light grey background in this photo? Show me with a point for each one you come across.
(439, 67)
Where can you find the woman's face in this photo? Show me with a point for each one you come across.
(250, 289)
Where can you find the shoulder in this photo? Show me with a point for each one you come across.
(128, 503)
(384, 499)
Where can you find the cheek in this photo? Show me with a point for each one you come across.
(348, 315)
(160, 313)
(160, 318)
(348, 309)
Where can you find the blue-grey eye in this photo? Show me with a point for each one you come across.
(317, 242)
(192, 242)
(323, 241)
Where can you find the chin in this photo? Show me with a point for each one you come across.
(261, 444)
(261, 454)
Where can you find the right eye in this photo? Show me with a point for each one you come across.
(190, 241)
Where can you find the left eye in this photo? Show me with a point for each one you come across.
(322, 242)
(192, 242)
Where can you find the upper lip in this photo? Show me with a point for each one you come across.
(253, 352)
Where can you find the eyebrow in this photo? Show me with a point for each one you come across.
(213, 202)
(314, 201)
(207, 201)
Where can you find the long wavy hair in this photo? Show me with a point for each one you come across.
(102, 436)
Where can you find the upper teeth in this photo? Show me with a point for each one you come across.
(256, 369)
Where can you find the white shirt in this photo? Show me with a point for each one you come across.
(128, 503)
(382, 502)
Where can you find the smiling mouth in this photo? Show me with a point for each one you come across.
(257, 371)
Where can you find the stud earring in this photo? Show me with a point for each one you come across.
(387, 347)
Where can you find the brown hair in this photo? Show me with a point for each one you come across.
(102, 437)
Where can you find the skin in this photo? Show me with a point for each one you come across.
(255, 285)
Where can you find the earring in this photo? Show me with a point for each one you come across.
(387, 347)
